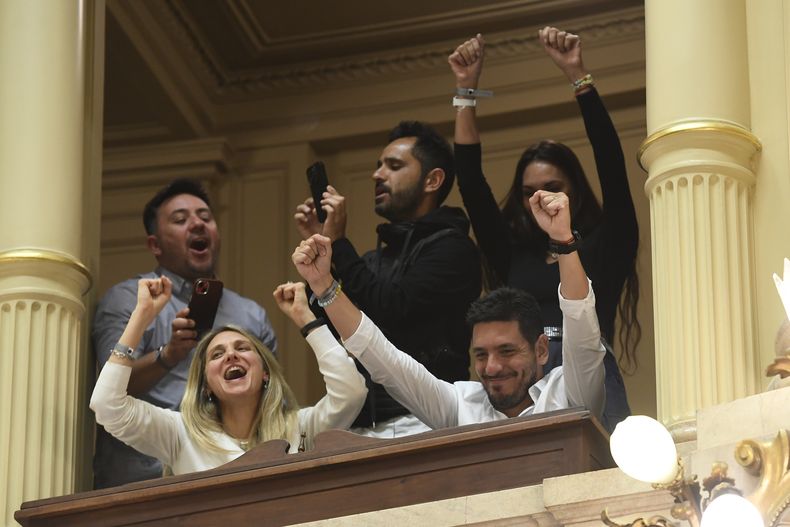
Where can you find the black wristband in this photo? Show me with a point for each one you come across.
(556, 247)
(304, 330)
(161, 361)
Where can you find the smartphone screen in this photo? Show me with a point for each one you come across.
(206, 293)
(316, 176)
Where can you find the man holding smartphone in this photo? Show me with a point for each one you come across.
(419, 282)
(183, 237)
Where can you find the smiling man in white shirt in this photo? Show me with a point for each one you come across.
(508, 346)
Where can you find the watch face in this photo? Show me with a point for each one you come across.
(120, 348)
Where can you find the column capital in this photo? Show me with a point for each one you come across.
(44, 259)
(721, 146)
(717, 126)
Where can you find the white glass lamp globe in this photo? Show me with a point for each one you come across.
(731, 510)
(644, 450)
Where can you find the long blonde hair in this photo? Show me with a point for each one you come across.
(277, 408)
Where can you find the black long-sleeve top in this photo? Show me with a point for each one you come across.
(607, 251)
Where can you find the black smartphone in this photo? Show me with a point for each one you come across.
(316, 176)
(206, 293)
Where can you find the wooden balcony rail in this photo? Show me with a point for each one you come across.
(345, 474)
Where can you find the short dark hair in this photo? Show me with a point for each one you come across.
(506, 304)
(174, 188)
(431, 150)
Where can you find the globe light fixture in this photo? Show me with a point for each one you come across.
(644, 450)
(731, 510)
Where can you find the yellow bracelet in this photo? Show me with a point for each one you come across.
(330, 295)
(585, 81)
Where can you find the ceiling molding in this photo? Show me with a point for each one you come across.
(174, 155)
(148, 131)
(183, 89)
(482, 15)
(245, 19)
(176, 20)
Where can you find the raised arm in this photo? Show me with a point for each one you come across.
(551, 211)
(345, 387)
(467, 65)
(582, 351)
(432, 400)
(565, 49)
(111, 318)
(491, 230)
(151, 430)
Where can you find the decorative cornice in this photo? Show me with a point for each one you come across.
(245, 19)
(429, 57)
(707, 125)
(148, 131)
(48, 256)
(213, 151)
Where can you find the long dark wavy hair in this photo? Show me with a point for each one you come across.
(586, 214)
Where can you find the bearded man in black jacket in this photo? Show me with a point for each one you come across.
(418, 283)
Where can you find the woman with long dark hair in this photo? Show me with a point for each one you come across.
(518, 253)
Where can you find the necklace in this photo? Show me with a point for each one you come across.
(244, 444)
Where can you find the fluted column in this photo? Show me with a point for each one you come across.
(699, 156)
(46, 159)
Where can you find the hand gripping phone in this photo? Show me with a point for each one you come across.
(316, 176)
(206, 293)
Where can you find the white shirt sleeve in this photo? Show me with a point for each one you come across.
(582, 353)
(147, 428)
(432, 400)
(345, 387)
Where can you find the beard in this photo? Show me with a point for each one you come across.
(402, 204)
(502, 402)
(505, 401)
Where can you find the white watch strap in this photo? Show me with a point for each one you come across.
(458, 102)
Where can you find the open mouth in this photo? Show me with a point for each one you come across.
(235, 372)
(198, 245)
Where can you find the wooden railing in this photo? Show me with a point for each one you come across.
(345, 474)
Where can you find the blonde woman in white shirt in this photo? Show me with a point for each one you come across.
(236, 396)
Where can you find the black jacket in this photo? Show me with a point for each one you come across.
(416, 287)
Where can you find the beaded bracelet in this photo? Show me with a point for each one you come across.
(330, 295)
(582, 83)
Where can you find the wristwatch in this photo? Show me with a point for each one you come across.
(124, 352)
(557, 248)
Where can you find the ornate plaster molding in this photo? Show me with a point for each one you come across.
(223, 81)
